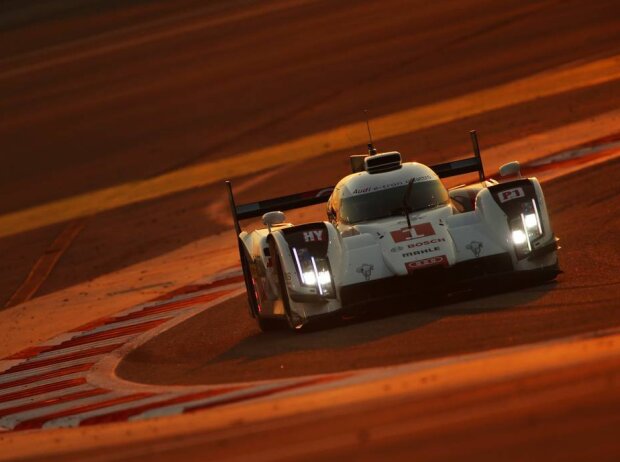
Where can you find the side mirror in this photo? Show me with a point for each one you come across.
(510, 169)
(273, 218)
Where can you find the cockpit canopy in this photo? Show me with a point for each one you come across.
(391, 202)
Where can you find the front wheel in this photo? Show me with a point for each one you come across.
(549, 273)
(295, 322)
(264, 324)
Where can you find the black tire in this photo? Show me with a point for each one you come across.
(550, 273)
(249, 283)
(294, 324)
(270, 324)
(264, 324)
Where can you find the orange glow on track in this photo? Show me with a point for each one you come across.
(540, 85)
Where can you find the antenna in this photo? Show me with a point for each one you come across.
(371, 148)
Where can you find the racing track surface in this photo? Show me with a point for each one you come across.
(572, 411)
(106, 94)
(224, 345)
(139, 95)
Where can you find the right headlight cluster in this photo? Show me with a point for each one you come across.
(526, 228)
(313, 272)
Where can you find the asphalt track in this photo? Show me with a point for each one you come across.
(518, 387)
(153, 103)
(224, 345)
(123, 98)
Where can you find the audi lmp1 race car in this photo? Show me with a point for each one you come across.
(393, 229)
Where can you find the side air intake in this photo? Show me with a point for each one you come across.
(383, 162)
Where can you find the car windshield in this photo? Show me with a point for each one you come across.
(389, 202)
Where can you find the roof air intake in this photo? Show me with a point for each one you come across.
(383, 162)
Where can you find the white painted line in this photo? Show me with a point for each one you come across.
(574, 154)
(29, 386)
(49, 395)
(83, 347)
(181, 297)
(74, 420)
(15, 419)
(553, 173)
(180, 408)
(51, 367)
(55, 341)
(129, 322)
(103, 373)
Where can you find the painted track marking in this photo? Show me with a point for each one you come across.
(46, 263)
(51, 385)
(61, 391)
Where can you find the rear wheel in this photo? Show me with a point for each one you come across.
(249, 282)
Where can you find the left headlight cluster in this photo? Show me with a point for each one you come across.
(313, 272)
(526, 228)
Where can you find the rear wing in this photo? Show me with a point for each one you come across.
(292, 201)
(317, 196)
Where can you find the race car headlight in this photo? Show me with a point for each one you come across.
(519, 237)
(313, 271)
(531, 221)
(526, 228)
(310, 278)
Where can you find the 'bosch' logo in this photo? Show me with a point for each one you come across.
(429, 242)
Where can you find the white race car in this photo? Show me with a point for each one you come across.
(393, 230)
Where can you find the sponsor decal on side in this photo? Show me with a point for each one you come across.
(475, 247)
(425, 263)
(428, 242)
(421, 251)
(416, 232)
(510, 194)
(314, 235)
(365, 270)
(368, 189)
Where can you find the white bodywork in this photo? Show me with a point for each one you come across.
(364, 252)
